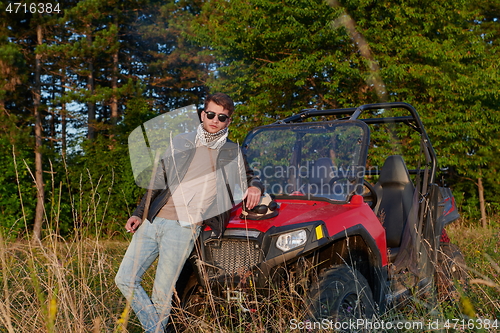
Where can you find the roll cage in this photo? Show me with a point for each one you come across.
(413, 121)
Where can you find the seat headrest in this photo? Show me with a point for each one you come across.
(322, 170)
(394, 171)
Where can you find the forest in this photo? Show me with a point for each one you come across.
(76, 77)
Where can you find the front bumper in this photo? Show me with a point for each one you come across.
(249, 258)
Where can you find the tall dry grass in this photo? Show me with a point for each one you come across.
(67, 285)
(481, 248)
(59, 286)
(63, 285)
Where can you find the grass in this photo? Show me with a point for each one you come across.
(481, 248)
(68, 286)
(59, 286)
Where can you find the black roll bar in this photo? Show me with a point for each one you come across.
(413, 121)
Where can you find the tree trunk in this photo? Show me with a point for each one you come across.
(63, 116)
(52, 120)
(114, 85)
(90, 87)
(39, 211)
(480, 190)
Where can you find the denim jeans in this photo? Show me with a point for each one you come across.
(171, 244)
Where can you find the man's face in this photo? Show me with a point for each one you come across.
(214, 125)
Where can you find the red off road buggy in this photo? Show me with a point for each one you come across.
(359, 220)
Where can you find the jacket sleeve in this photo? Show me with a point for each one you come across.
(158, 184)
(219, 223)
(139, 211)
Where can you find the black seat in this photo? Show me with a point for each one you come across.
(395, 193)
(321, 174)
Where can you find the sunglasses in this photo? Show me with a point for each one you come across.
(211, 115)
(262, 209)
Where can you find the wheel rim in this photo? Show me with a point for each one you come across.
(349, 307)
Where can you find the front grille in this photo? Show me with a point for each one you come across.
(235, 256)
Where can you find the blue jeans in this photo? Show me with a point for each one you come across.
(171, 244)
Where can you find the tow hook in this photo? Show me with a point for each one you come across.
(238, 297)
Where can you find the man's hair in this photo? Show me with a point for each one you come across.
(221, 99)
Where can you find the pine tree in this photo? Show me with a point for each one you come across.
(278, 58)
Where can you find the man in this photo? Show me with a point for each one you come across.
(200, 170)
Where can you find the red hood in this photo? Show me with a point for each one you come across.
(337, 218)
(290, 212)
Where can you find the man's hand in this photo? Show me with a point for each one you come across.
(133, 223)
(252, 196)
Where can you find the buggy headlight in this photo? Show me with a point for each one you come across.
(291, 240)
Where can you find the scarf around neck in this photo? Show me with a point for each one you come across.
(211, 140)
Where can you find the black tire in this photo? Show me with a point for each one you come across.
(451, 275)
(191, 304)
(342, 294)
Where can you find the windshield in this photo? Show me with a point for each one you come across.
(324, 159)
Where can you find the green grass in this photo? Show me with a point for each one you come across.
(68, 286)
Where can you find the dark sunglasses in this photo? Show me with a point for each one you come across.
(211, 115)
(262, 209)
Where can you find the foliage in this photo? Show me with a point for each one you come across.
(15, 179)
(108, 66)
(277, 58)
